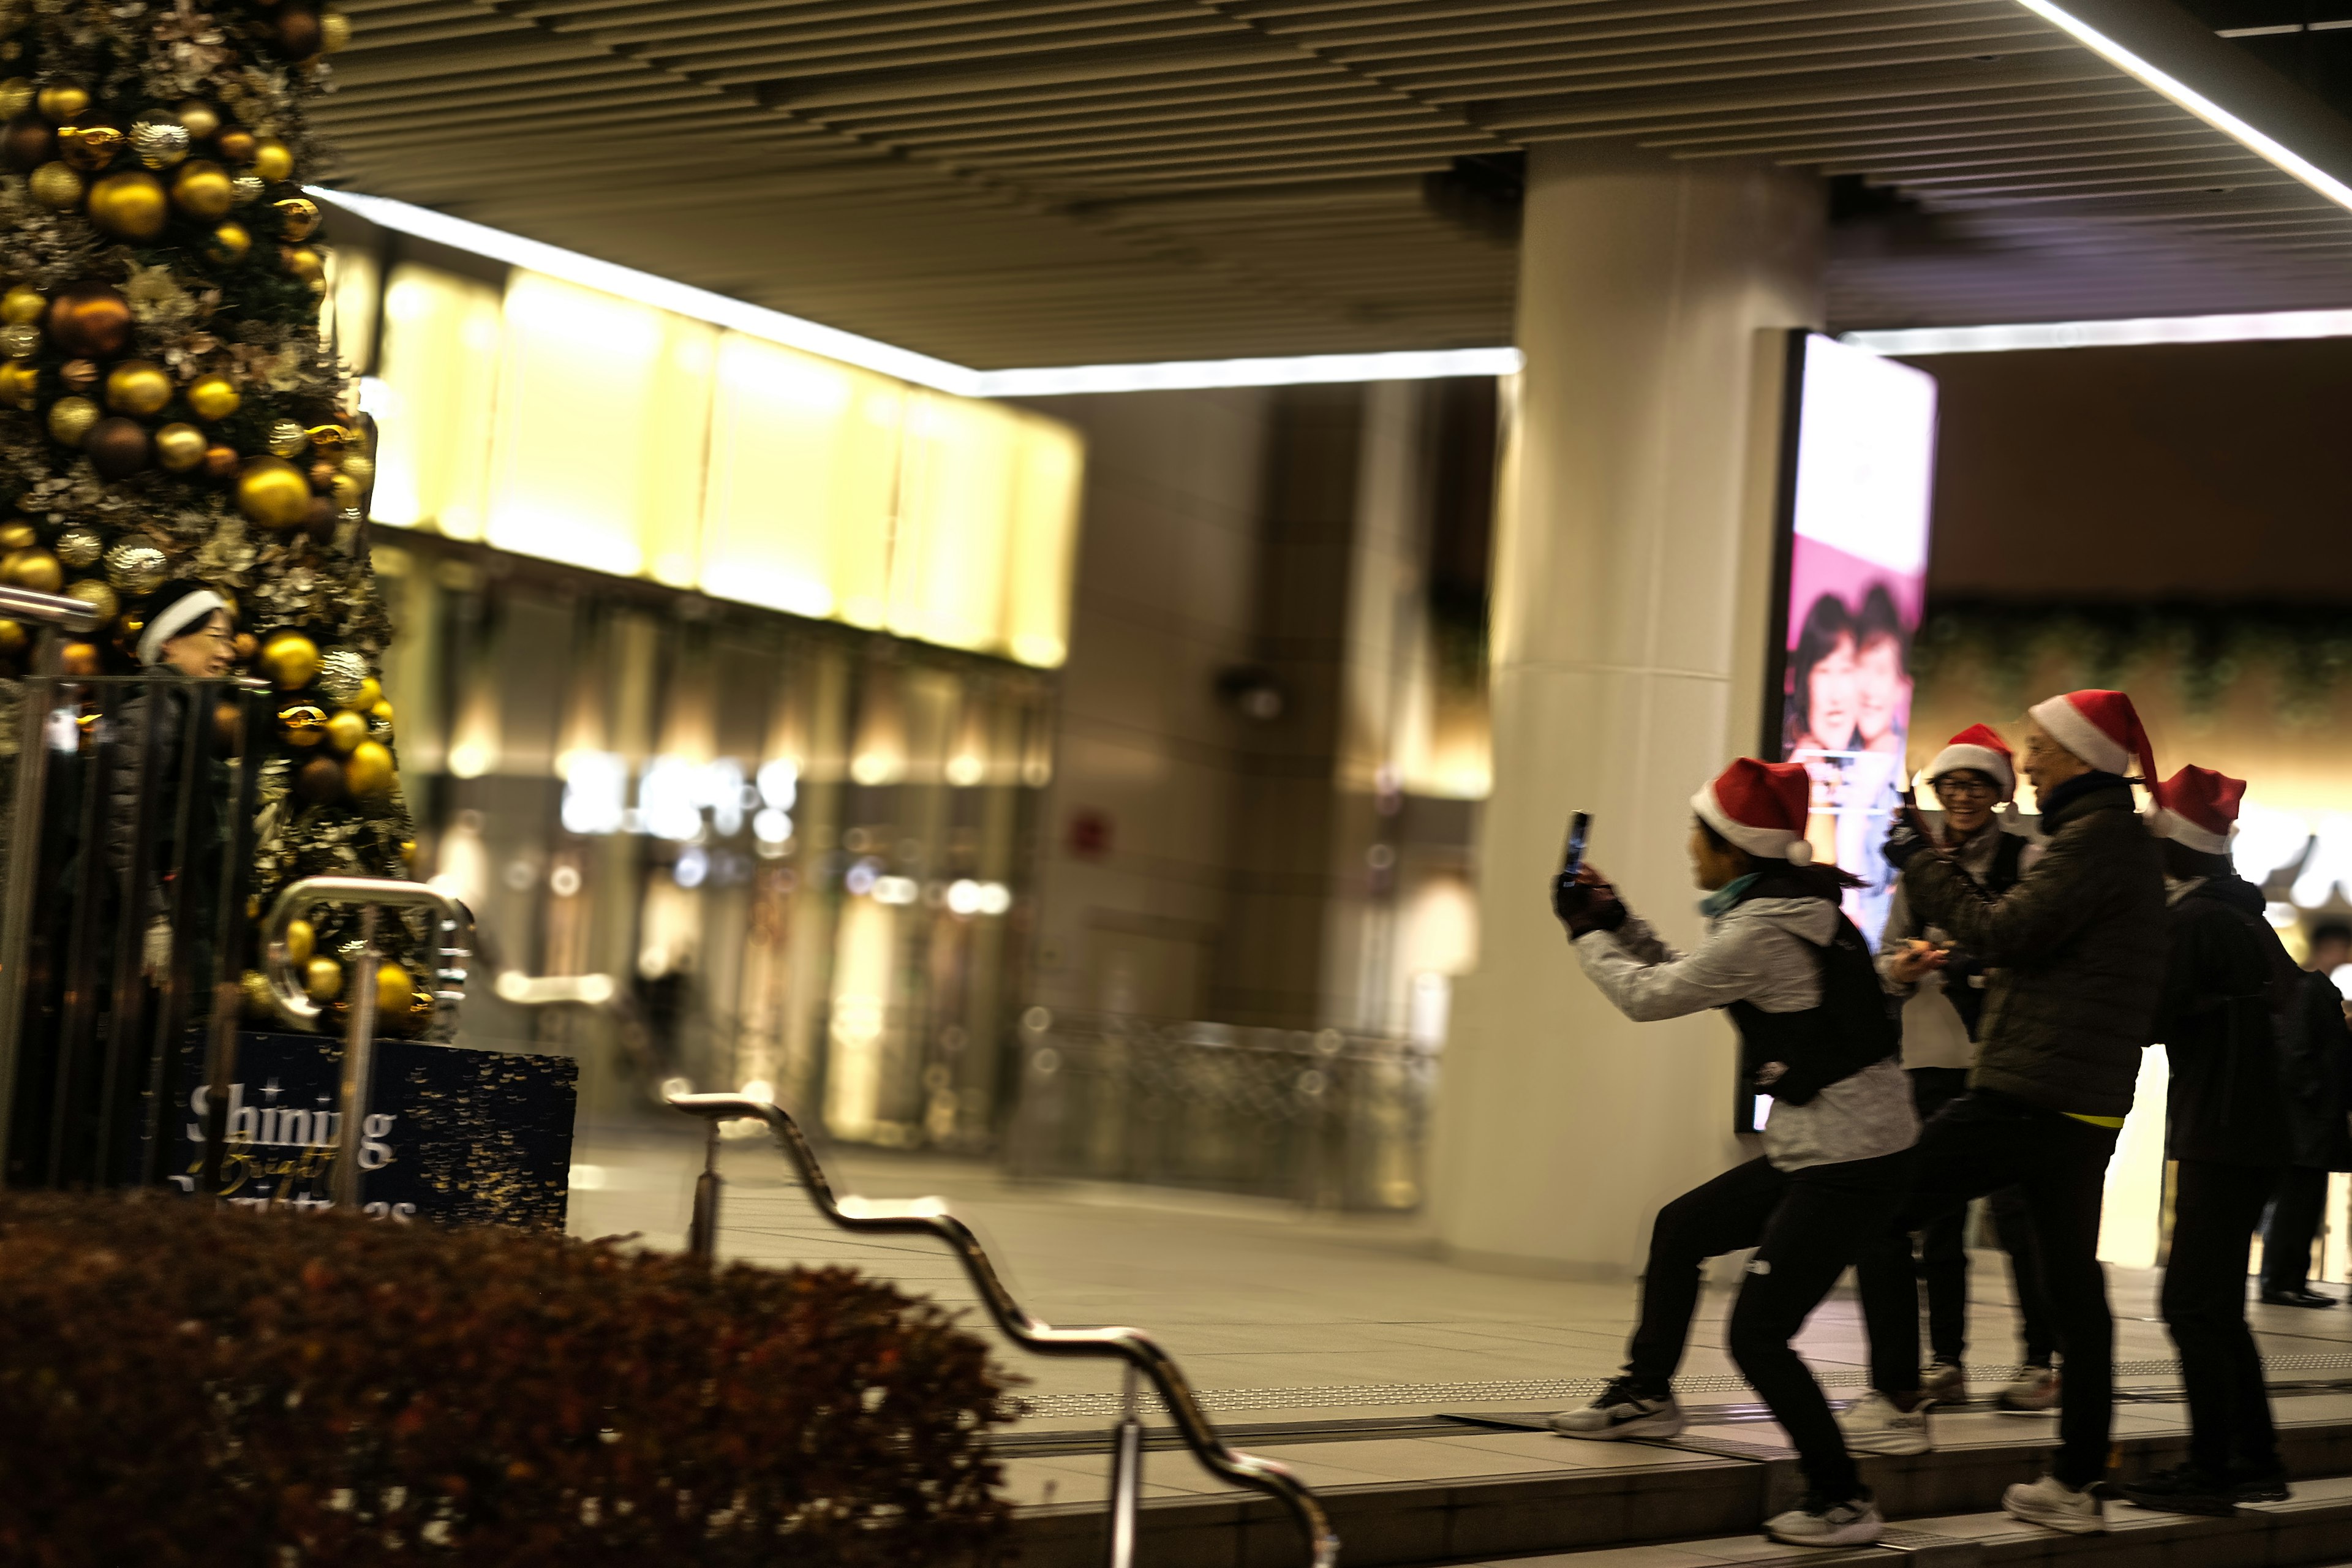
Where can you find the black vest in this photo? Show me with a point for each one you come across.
(1966, 990)
(1853, 1025)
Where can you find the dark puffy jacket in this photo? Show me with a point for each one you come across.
(2225, 975)
(2315, 1071)
(2076, 947)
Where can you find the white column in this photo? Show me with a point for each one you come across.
(1632, 577)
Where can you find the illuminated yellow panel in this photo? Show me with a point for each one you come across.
(602, 416)
(347, 324)
(1049, 475)
(434, 401)
(955, 521)
(803, 477)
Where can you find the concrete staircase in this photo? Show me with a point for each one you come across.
(1422, 1492)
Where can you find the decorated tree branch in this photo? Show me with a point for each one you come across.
(169, 411)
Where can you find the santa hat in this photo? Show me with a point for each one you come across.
(2100, 726)
(1977, 747)
(1760, 807)
(2196, 808)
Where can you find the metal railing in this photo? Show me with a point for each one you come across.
(1328, 1118)
(1141, 1355)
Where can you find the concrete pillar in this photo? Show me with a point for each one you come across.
(1632, 575)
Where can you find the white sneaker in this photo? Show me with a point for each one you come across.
(1816, 1523)
(2034, 1392)
(1621, 1411)
(1873, 1426)
(2051, 1502)
(1946, 1383)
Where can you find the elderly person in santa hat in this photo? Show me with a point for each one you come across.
(2076, 952)
(2226, 977)
(1818, 1034)
(1942, 989)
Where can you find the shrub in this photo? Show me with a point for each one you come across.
(183, 1384)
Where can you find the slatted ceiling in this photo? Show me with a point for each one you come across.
(1023, 181)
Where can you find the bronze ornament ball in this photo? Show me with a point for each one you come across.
(369, 771)
(345, 730)
(136, 569)
(247, 645)
(79, 547)
(289, 659)
(15, 97)
(273, 160)
(89, 318)
(96, 595)
(34, 569)
(302, 724)
(79, 659)
(130, 205)
(23, 303)
(273, 492)
(321, 472)
(56, 187)
(319, 522)
(138, 386)
(201, 190)
(229, 244)
(158, 143)
(180, 448)
(298, 34)
(78, 374)
(236, 144)
(221, 462)
(89, 148)
(202, 119)
(298, 218)
(213, 397)
(62, 100)
(70, 419)
(27, 143)
(117, 447)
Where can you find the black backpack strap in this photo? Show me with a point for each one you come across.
(2008, 862)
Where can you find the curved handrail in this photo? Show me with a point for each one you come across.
(930, 1216)
(49, 609)
(285, 992)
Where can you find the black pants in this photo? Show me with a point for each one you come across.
(2215, 1209)
(2295, 1220)
(1806, 1227)
(1944, 1252)
(1981, 1143)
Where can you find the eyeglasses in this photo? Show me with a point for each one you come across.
(1965, 789)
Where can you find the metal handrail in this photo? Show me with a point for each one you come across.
(930, 1216)
(285, 993)
(49, 609)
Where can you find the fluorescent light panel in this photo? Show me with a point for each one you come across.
(2195, 102)
(2273, 324)
(905, 364)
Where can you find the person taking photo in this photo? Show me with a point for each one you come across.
(1817, 1035)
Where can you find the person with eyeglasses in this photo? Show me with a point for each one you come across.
(1941, 986)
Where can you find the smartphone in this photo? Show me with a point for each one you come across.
(1572, 861)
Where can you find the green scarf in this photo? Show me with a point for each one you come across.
(1718, 904)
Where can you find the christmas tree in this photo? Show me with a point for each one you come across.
(170, 412)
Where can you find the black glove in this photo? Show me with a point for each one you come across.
(1585, 907)
(1903, 841)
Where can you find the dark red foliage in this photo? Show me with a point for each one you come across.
(185, 1386)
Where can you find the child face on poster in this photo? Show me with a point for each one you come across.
(1882, 694)
(1833, 698)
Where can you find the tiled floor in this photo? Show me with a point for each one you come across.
(1310, 1314)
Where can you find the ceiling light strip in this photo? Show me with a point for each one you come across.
(2256, 328)
(2195, 102)
(795, 331)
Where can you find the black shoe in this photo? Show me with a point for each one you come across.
(2260, 1485)
(2184, 1489)
(2296, 1298)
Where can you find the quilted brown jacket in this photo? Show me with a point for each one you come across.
(2076, 949)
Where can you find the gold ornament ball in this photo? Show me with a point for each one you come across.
(78, 548)
(286, 439)
(371, 693)
(254, 993)
(136, 569)
(369, 771)
(180, 449)
(213, 397)
(221, 462)
(247, 645)
(306, 264)
(138, 386)
(159, 143)
(343, 675)
(304, 724)
(89, 148)
(201, 190)
(34, 569)
(12, 637)
(62, 101)
(229, 244)
(18, 535)
(323, 979)
(273, 160)
(334, 30)
(20, 384)
(272, 492)
(346, 491)
(130, 205)
(301, 942)
(70, 419)
(23, 303)
(57, 187)
(15, 97)
(96, 595)
(236, 144)
(79, 659)
(20, 340)
(298, 218)
(381, 712)
(345, 730)
(202, 119)
(393, 990)
(289, 659)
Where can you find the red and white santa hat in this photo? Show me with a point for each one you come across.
(2100, 726)
(1977, 747)
(1760, 807)
(2196, 808)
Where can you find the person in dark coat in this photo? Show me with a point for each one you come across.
(190, 632)
(2075, 952)
(2315, 1065)
(2225, 978)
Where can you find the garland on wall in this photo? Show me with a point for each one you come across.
(168, 409)
(2207, 649)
